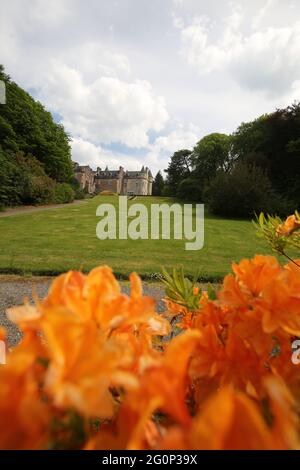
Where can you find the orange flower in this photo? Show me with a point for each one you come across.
(279, 303)
(225, 383)
(229, 421)
(174, 309)
(284, 413)
(25, 416)
(289, 226)
(96, 297)
(251, 277)
(163, 383)
(95, 337)
(82, 362)
(238, 341)
(264, 297)
(163, 386)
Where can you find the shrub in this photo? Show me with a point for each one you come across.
(23, 180)
(79, 194)
(39, 190)
(189, 189)
(63, 193)
(242, 192)
(97, 369)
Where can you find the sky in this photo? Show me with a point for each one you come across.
(135, 80)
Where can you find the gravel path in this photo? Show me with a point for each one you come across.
(30, 209)
(14, 289)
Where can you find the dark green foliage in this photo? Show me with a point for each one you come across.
(35, 151)
(268, 147)
(212, 153)
(242, 192)
(158, 185)
(5, 181)
(180, 289)
(23, 180)
(276, 138)
(79, 193)
(63, 193)
(179, 168)
(189, 189)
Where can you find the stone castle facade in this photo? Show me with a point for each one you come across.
(118, 181)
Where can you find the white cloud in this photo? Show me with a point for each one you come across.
(265, 60)
(164, 146)
(159, 153)
(97, 61)
(105, 110)
(261, 14)
(97, 97)
(87, 83)
(86, 153)
(105, 68)
(178, 139)
(47, 16)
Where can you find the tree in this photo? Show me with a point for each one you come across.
(189, 189)
(35, 151)
(26, 126)
(212, 153)
(178, 169)
(276, 137)
(244, 191)
(158, 185)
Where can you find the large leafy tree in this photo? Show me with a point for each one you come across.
(35, 152)
(212, 153)
(26, 126)
(178, 169)
(242, 192)
(275, 138)
(158, 185)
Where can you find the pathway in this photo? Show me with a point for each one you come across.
(30, 209)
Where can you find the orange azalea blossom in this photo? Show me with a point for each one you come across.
(24, 415)
(90, 331)
(163, 386)
(264, 292)
(96, 297)
(174, 309)
(165, 382)
(283, 413)
(226, 382)
(186, 316)
(247, 331)
(290, 225)
(232, 421)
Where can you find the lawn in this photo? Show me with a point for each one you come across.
(53, 241)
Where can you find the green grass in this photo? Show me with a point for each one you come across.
(53, 241)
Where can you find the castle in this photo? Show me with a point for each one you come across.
(118, 181)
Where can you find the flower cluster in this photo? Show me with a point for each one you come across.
(243, 354)
(83, 348)
(97, 369)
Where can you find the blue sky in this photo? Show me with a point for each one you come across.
(134, 80)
